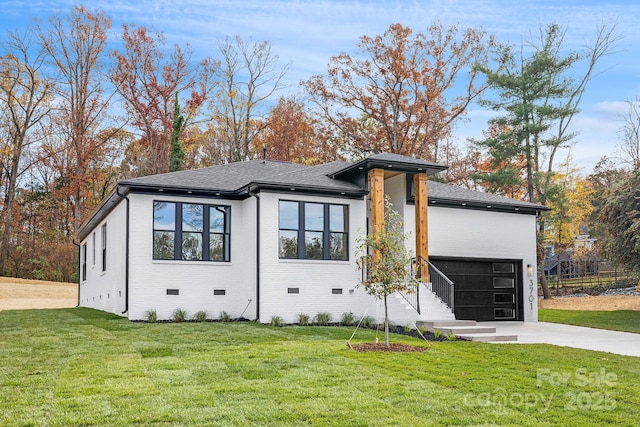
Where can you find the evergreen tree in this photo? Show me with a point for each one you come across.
(540, 95)
(176, 154)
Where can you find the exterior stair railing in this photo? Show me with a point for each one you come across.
(440, 284)
(412, 296)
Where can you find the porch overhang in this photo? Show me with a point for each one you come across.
(388, 162)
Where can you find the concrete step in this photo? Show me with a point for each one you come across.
(439, 324)
(489, 337)
(460, 330)
(468, 330)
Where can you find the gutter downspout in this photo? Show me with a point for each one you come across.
(126, 268)
(257, 196)
(79, 270)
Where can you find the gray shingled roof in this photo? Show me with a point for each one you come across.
(453, 193)
(398, 158)
(234, 179)
(227, 177)
(387, 161)
(314, 176)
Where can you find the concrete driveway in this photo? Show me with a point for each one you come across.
(624, 343)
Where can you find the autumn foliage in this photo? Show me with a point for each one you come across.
(80, 111)
(396, 93)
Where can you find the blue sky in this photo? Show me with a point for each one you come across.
(307, 33)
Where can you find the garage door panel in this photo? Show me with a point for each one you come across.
(484, 289)
(470, 282)
(463, 298)
(480, 314)
(469, 267)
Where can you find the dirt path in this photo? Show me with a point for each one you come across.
(599, 303)
(20, 294)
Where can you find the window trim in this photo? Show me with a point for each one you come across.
(326, 231)
(104, 247)
(178, 232)
(83, 262)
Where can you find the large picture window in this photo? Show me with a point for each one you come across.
(313, 230)
(191, 231)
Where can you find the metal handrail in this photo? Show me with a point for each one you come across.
(441, 285)
(412, 297)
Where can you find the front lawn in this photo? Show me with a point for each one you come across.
(85, 367)
(622, 320)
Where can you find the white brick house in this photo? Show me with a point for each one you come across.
(260, 238)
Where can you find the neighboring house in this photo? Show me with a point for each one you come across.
(266, 238)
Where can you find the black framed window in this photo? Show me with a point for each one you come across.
(191, 231)
(93, 249)
(83, 256)
(309, 230)
(104, 247)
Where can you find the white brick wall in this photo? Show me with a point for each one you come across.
(195, 280)
(452, 233)
(314, 278)
(467, 233)
(104, 290)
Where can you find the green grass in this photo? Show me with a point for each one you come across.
(85, 367)
(622, 320)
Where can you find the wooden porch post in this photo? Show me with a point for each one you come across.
(376, 193)
(422, 223)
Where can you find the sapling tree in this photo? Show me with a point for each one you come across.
(386, 260)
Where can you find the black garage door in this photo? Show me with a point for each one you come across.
(485, 289)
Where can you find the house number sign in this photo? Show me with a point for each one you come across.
(531, 297)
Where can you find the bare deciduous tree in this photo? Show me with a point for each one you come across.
(25, 98)
(629, 148)
(249, 75)
(75, 43)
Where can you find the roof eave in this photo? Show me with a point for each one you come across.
(180, 190)
(107, 205)
(257, 186)
(366, 165)
(487, 206)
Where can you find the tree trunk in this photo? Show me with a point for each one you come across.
(386, 322)
(7, 216)
(543, 283)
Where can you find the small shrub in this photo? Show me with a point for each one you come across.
(151, 316)
(303, 319)
(225, 317)
(451, 336)
(437, 333)
(347, 319)
(200, 316)
(323, 319)
(179, 315)
(276, 321)
(406, 329)
(367, 322)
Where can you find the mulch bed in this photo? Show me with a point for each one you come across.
(396, 348)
